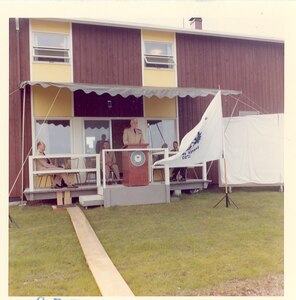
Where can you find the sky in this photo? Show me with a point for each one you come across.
(247, 17)
(260, 18)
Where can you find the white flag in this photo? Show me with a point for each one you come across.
(204, 142)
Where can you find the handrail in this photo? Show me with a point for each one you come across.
(62, 171)
(163, 150)
(62, 156)
(202, 165)
(33, 172)
(152, 151)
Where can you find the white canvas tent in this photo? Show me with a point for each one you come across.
(254, 150)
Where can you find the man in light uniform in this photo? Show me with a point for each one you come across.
(133, 135)
(110, 161)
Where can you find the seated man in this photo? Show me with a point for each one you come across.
(161, 156)
(59, 180)
(182, 171)
(110, 162)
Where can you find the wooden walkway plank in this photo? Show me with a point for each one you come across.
(107, 277)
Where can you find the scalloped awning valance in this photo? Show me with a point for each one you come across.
(136, 91)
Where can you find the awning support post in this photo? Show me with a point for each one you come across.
(23, 143)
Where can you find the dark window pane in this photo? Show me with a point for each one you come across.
(95, 132)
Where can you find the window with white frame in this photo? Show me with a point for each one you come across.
(161, 132)
(95, 133)
(51, 47)
(159, 55)
(55, 134)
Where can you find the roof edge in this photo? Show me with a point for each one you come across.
(143, 26)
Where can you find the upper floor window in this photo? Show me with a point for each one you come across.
(159, 55)
(51, 47)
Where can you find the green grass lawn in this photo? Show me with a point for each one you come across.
(45, 257)
(187, 246)
(182, 248)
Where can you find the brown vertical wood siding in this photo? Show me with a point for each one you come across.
(106, 55)
(15, 103)
(256, 68)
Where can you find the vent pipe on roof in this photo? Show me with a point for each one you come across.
(196, 23)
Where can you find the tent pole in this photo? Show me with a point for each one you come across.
(225, 176)
(226, 196)
(225, 171)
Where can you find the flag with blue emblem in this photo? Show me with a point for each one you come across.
(204, 142)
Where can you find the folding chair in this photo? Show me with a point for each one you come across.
(72, 163)
(90, 163)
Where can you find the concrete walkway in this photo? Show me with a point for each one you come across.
(107, 277)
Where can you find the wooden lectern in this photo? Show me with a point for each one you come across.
(135, 165)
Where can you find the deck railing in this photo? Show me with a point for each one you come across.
(152, 152)
(153, 155)
(150, 161)
(200, 165)
(64, 168)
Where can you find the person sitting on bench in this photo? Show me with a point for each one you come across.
(182, 171)
(59, 180)
(110, 162)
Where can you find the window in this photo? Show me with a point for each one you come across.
(51, 47)
(95, 133)
(55, 134)
(161, 132)
(159, 55)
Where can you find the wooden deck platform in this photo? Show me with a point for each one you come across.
(118, 194)
(49, 193)
(189, 184)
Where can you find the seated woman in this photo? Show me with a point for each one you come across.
(110, 162)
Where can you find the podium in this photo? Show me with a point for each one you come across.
(135, 166)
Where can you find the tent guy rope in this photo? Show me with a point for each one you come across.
(26, 158)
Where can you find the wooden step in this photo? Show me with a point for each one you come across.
(91, 200)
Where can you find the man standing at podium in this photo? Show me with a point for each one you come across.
(133, 135)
